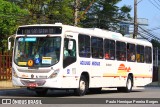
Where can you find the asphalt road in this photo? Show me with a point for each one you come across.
(108, 95)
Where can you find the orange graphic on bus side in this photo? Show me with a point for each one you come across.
(123, 68)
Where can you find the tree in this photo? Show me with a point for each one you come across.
(47, 11)
(102, 13)
(60, 11)
(106, 14)
(9, 15)
(35, 8)
(155, 43)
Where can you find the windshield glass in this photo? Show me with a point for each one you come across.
(37, 51)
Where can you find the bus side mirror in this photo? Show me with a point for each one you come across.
(9, 45)
(9, 41)
(70, 45)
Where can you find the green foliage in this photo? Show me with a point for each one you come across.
(60, 11)
(48, 11)
(155, 43)
(9, 15)
(106, 14)
(92, 13)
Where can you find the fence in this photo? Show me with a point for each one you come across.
(5, 65)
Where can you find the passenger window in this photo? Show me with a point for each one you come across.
(84, 45)
(109, 49)
(148, 55)
(97, 47)
(131, 52)
(140, 54)
(121, 51)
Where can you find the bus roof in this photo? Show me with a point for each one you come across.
(56, 24)
(95, 32)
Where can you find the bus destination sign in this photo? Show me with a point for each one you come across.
(39, 30)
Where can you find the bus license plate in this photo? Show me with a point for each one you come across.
(32, 85)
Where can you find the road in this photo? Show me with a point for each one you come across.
(60, 96)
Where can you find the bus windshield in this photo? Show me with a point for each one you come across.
(37, 51)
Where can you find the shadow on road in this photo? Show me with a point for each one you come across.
(23, 92)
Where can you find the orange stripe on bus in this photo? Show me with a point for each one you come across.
(115, 75)
(142, 76)
(124, 75)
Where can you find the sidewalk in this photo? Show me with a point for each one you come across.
(154, 84)
(6, 84)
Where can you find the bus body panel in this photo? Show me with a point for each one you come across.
(102, 72)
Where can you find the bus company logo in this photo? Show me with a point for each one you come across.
(85, 62)
(122, 67)
(93, 63)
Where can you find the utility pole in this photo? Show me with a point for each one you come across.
(76, 12)
(135, 20)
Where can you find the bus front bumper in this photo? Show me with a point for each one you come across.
(46, 83)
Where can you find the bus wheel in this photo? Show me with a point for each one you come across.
(83, 86)
(129, 85)
(41, 92)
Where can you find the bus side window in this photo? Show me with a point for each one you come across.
(107, 55)
(97, 47)
(138, 57)
(109, 49)
(148, 54)
(140, 53)
(121, 51)
(84, 45)
(66, 53)
(69, 54)
(131, 51)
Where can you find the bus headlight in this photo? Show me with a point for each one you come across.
(14, 73)
(54, 74)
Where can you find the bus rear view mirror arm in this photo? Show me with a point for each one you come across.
(9, 41)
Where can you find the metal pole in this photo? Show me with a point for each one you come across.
(158, 66)
(157, 57)
(135, 20)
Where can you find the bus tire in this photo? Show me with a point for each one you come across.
(83, 86)
(129, 85)
(41, 92)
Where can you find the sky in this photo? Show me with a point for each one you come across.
(145, 9)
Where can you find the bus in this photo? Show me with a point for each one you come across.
(57, 56)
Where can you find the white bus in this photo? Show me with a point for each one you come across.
(57, 56)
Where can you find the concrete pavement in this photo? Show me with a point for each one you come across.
(8, 84)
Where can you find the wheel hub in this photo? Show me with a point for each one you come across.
(129, 85)
(82, 85)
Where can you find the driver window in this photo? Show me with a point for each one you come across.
(69, 55)
(67, 52)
